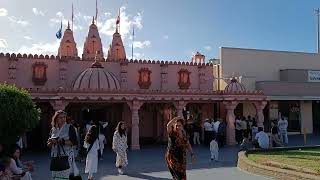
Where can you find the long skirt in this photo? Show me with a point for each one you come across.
(121, 159)
(177, 166)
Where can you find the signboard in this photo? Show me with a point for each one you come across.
(313, 76)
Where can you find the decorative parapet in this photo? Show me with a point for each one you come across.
(63, 58)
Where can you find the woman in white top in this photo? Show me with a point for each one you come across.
(15, 167)
(91, 143)
(64, 136)
(120, 146)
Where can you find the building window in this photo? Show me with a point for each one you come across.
(144, 78)
(184, 79)
(39, 75)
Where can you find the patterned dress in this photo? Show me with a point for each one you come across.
(176, 155)
(120, 146)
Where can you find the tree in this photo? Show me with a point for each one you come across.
(18, 114)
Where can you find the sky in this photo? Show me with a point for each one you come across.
(164, 29)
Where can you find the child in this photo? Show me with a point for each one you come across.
(214, 149)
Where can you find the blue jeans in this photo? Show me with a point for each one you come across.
(284, 137)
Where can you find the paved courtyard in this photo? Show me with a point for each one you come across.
(149, 163)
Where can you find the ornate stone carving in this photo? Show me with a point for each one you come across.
(184, 79)
(39, 75)
(123, 75)
(144, 78)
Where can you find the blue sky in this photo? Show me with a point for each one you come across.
(165, 29)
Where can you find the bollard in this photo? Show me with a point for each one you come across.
(305, 135)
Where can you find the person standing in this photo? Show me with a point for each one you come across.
(283, 128)
(91, 144)
(196, 133)
(207, 131)
(238, 130)
(63, 136)
(178, 145)
(221, 136)
(254, 130)
(120, 146)
(102, 138)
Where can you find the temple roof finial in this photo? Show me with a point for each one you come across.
(68, 25)
(92, 19)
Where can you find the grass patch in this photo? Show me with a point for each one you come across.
(308, 158)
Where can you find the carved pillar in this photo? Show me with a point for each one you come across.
(59, 104)
(123, 75)
(179, 106)
(230, 119)
(202, 77)
(63, 73)
(135, 106)
(12, 70)
(259, 111)
(164, 76)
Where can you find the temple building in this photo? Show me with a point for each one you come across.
(146, 94)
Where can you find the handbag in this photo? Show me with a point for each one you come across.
(60, 162)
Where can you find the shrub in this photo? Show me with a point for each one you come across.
(18, 114)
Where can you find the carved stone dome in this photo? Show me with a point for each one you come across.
(96, 78)
(234, 87)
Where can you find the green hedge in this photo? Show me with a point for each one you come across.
(18, 114)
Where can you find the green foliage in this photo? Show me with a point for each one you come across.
(18, 114)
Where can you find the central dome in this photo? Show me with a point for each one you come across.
(96, 78)
(235, 87)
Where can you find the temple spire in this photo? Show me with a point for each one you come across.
(68, 25)
(92, 19)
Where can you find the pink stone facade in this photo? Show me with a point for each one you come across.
(145, 94)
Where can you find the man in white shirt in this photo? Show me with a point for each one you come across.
(208, 130)
(261, 139)
(283, 129)
(215, 125)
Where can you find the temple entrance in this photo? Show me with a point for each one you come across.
(83, 113)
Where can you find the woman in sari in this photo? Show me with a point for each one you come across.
(120, 146)
(178, 145)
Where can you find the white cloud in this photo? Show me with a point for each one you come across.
(165, 37)
(59, 14)
(126, 22)
(141, 45)
(207, 48)
(37, 12)
(3, 43)
(27, 37)
(19, 21)
(107, 14)
(137, 55)
(3, 12)
(41, 48)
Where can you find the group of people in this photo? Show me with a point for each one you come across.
(11, 167)
(64, 139)
(259, 138)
